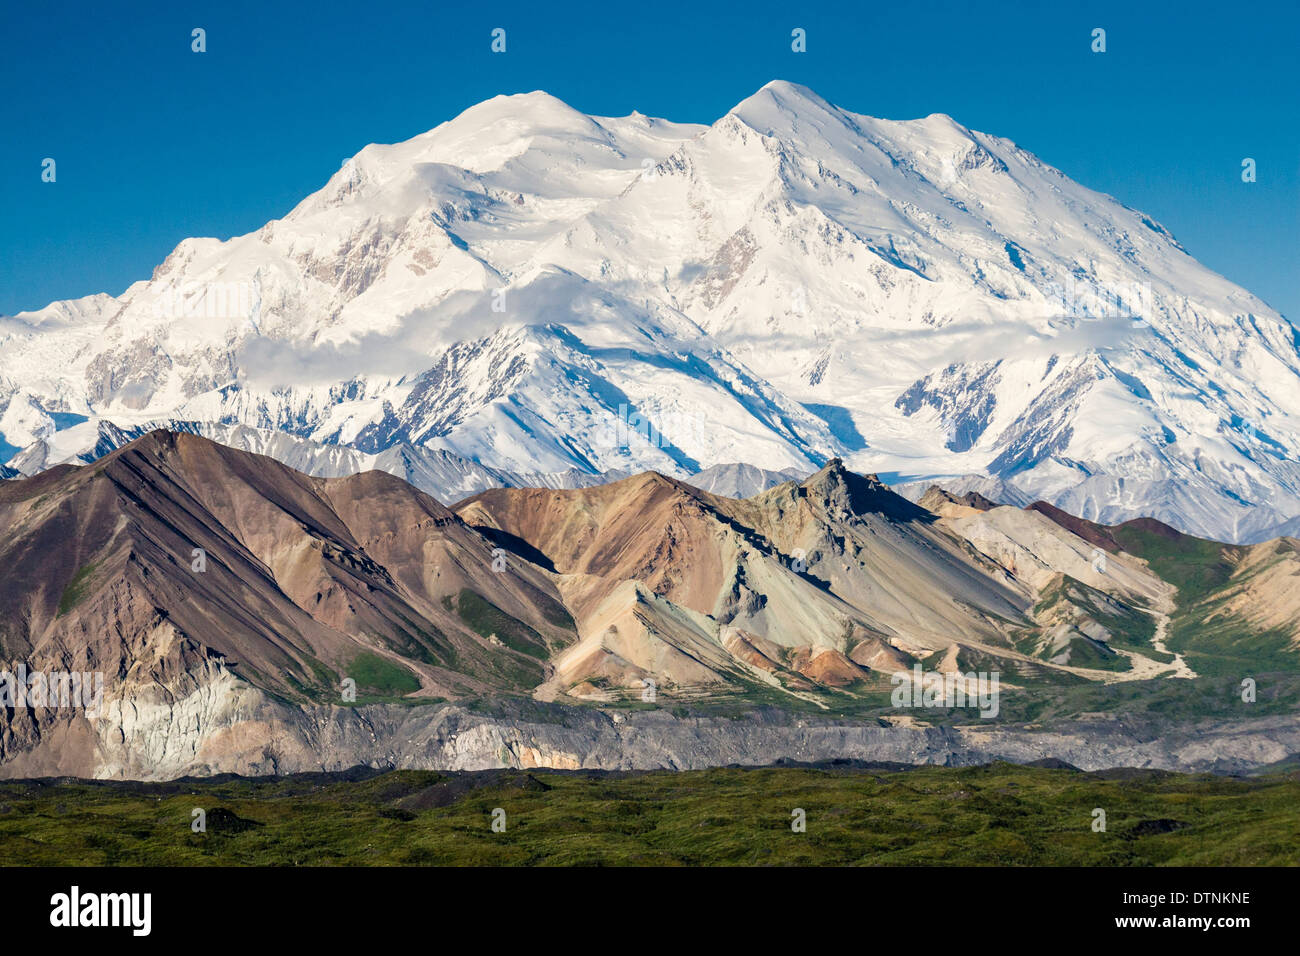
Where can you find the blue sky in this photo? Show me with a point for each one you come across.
(154, 143)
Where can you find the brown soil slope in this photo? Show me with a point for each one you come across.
(300, 576)
(662, 577)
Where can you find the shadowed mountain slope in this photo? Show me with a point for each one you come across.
(177, 545)
(227, 601)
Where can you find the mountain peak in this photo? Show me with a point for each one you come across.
(907, 294)
(839, 489)
(536, 104)
(790, 90)
(779, 104)
(946, 121)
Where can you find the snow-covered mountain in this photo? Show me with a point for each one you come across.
(535, 291)
(738, 480)
(986, 486)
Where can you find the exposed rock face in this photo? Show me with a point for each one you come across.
(223, 602)
(759, 591)
(226, 726)
(945, 503)
(175, 560)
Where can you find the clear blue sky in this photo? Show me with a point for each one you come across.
(155, 143)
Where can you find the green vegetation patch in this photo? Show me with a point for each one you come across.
(379, 675)
(1195, 566)
(1227, 646)
(487, 620)
(1085, 652)
(1219, 642)
(76, 589)
(997, 814)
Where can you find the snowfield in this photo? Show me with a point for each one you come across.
(526, 294)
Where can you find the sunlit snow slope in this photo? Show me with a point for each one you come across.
(529, 290)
